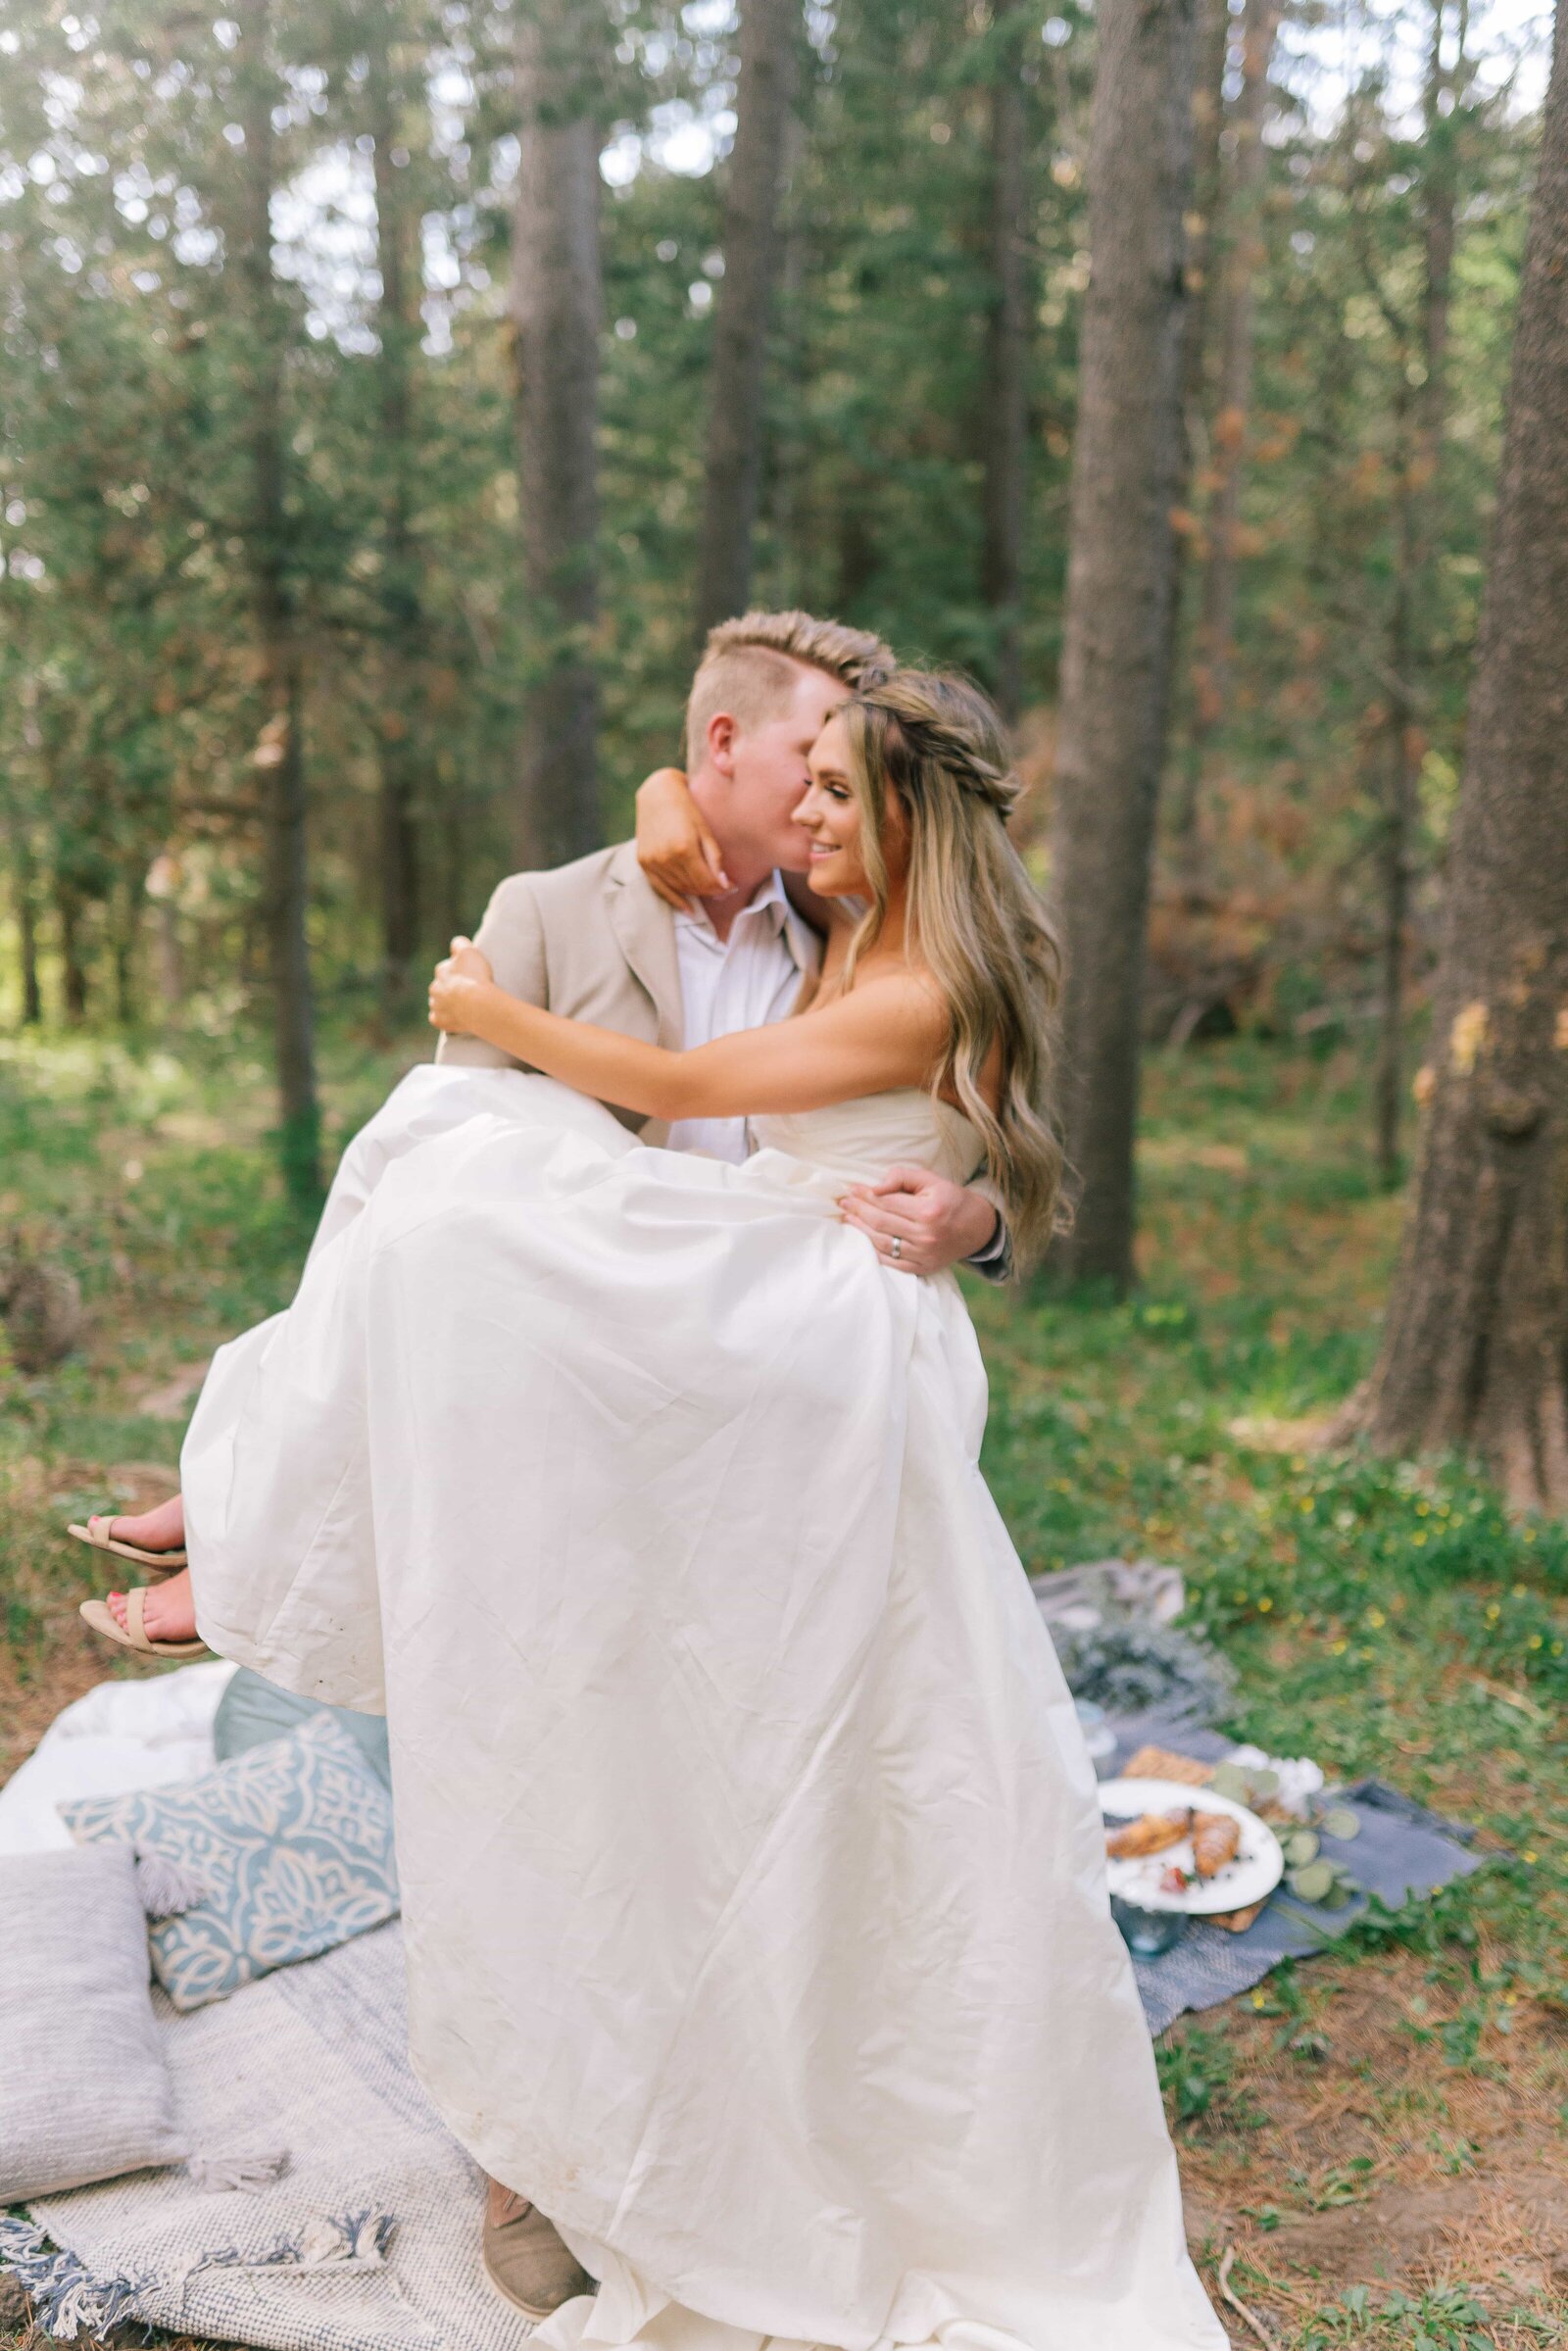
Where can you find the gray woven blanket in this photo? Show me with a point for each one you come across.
(369, 2240)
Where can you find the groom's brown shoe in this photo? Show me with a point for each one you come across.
(524, 2259)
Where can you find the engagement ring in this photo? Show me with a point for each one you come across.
(896, 1246)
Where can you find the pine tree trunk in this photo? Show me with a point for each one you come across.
(397, 733)
(754, 254)
(126, 920)
(69, 911)
(1418, 443)
(790, 458)
(1117, 659)
(280, 754)
(171, 961)
(1475, 1353)
(1401, 764)
(1197, 313)
(1243, 258)
(1005, 424)
(1213, 40)
(23, 886)
(556, 312)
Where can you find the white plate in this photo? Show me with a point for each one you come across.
(1256, 1870)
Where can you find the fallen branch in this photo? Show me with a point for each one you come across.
(1511, 1697)
(1250, 2317)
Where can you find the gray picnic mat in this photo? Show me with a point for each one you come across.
(1402, 1853)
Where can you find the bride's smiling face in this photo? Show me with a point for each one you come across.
(831, 815)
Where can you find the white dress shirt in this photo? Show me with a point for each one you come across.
(742, 982)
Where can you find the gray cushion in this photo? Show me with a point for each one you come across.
(84, 2088)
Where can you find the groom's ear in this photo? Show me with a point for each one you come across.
(723, 732)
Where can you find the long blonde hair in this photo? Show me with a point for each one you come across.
(973, 918)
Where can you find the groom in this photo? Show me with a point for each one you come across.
(597, 941)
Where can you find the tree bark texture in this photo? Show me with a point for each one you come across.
(754, 258)
(23, 880)
(279, 753)
(1006, 422)
(1419, 416)
(69, 911)
(1214, 38)
(399, 736)
(557, 307)
(1116, 657)
(1475, 1353)
(1243, 257)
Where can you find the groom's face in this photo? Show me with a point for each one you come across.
(768, 776)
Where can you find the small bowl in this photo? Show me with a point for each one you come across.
(1099, 1739)
(1147, 1933)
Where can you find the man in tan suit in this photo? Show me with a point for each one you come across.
(596, 941)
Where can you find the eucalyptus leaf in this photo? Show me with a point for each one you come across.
(1229, 1779)
(1264, 1784)
(1311, 1883)
(1300, 1847)
(1338, 1895)
(1340, 1821)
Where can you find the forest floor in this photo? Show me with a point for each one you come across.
(1379, 2136)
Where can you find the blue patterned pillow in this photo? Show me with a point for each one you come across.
(292, 1842)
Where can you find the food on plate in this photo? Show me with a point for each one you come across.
(1162, 1763)
(1151, 1832)
(1217, 1839)
(1174, 1880)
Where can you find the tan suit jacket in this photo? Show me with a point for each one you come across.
(592, 941)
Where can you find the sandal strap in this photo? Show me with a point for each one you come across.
(135, 1602)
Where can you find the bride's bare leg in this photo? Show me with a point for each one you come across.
(168, 1612)
(160, 1529)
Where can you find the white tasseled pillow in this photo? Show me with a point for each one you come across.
(84, 2088)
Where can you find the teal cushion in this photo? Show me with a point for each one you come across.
(292, 1844)
(252, 1710)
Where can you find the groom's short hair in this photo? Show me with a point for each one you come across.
(748, 667)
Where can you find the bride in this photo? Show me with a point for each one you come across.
(752, 1864)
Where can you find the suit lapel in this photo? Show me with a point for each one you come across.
(644, 928)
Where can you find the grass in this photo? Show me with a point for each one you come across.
(1379, 2137)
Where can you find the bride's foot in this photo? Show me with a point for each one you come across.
(168, 1611)
(160, 1529)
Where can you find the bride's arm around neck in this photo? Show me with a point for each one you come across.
(889, 1031)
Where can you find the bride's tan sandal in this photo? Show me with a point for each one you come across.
(133, 1634)
(96, 1534)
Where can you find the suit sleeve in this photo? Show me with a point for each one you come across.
(994, 1262)
(513, 937)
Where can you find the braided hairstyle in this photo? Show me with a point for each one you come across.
(975, 919)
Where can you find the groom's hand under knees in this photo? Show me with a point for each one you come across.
(935, 1223)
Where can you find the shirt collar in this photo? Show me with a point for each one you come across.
(768, 900)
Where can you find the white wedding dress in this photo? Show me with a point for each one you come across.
(752, 1871)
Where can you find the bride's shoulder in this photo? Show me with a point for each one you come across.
(902, 993)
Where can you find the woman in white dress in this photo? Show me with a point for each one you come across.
(752, 1871)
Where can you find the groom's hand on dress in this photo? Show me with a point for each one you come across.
(935, 1223)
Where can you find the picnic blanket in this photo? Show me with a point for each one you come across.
(366, 2240)
(1403, 1852)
